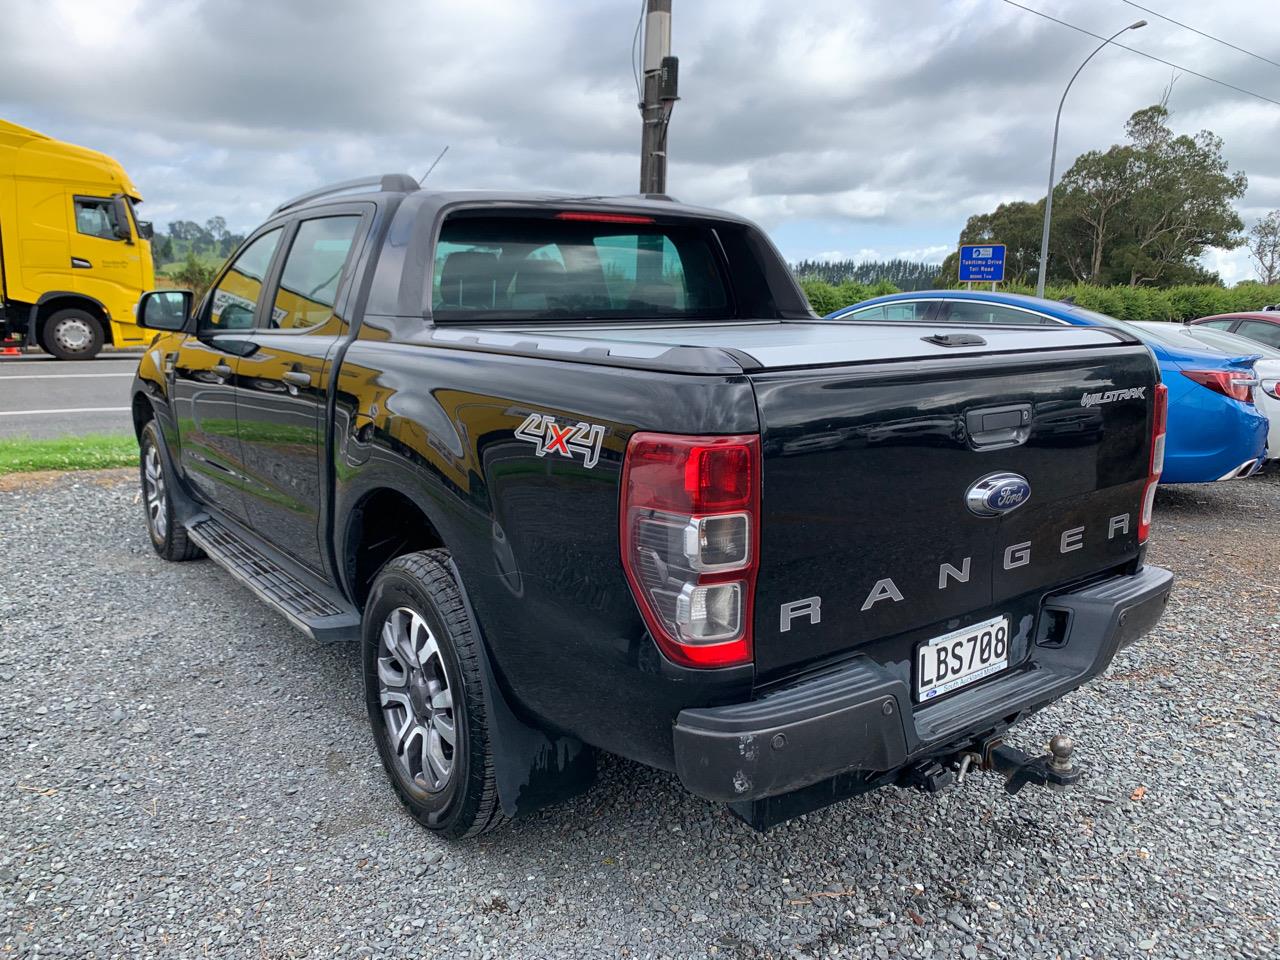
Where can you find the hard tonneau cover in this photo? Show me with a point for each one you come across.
(736, 347)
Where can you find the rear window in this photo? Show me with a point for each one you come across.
(524, 268)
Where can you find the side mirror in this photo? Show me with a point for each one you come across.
(165, 310)
(145, 230)
(121, 209)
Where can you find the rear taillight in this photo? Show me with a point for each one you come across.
(1271, 388)
(690, 518)
(1236, 384)
(1155, 465)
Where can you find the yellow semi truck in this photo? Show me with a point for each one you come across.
(74, 257)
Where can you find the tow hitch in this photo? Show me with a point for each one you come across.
(1053, 769)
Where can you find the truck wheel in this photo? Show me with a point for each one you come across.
(167, 536)
(426, 703)
(72, 334)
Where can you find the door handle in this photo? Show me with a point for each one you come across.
(222, 371)
(299, 378)
(79, 263)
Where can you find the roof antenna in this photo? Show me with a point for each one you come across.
(433, 165)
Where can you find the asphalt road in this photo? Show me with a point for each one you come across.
(41, 396)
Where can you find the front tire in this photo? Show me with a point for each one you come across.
(167, 535)
(72, 334)
(426, 703)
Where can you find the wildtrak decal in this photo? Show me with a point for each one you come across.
(1111, 396)
(567, 441)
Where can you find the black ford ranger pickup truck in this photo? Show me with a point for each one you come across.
(586, 473)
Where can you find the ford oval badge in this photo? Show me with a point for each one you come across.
(997, 494)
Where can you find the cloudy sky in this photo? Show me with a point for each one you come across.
(862, 128)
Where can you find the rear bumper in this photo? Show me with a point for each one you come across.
(859, 717)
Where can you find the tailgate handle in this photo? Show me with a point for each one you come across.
(1004, 426)
(956, 340)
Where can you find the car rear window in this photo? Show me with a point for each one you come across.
(575, 267)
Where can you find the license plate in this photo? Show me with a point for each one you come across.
(961, 657)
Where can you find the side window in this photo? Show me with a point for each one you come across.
(975, 311)
(894, 310)
(1261, 330)
(236, 296)
(309, 282)
(96, 217)
(905, 310)
(866, 314)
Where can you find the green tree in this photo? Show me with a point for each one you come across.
(1144, 212)
(1182, 202)
(1264, 247)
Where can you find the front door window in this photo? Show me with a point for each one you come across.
(236, 296)
(309, 283)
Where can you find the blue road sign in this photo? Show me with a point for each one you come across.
(982, 262)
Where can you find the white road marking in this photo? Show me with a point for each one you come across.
(35, 413)
(62, 376)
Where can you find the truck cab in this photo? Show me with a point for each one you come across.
(74, 257)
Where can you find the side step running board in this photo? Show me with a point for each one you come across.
(307, 603)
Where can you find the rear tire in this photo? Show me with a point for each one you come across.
(167, 536)
(72, 334)
(422, 690)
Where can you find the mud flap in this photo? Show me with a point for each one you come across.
(533, 769)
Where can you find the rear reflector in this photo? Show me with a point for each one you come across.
(587, 216)
(1236, 384)
(1155, 464)
(690, 518)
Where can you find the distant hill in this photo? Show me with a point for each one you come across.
(903, 274)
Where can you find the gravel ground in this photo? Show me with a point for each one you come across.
(184, 775)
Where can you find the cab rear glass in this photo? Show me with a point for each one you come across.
(576, 265)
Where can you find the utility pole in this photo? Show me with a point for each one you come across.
(661, 73)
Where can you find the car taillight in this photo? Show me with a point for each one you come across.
(690, 519)
(1155, 465)
(1271, 388)
(1236, 384)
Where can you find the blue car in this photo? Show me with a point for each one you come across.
(1215, 430)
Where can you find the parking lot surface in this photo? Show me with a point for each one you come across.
(41, 396)
(184, 775)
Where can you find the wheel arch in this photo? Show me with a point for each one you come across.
(384, 523)
(143, 411)
(55, 300)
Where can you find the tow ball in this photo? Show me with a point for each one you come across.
(1053, 769)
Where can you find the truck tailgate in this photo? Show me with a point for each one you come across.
(868, 543)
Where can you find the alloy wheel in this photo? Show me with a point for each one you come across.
(153, 490)
(417, 700)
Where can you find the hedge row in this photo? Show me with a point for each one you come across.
(1125, 303)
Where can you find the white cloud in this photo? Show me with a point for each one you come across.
(872, 125)
(934, 254)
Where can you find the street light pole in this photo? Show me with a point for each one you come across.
(1053, 157)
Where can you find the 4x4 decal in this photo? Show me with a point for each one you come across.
(568, 440)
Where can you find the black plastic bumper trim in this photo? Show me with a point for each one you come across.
(851, 718)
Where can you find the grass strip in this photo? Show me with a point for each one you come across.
(89, 452)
